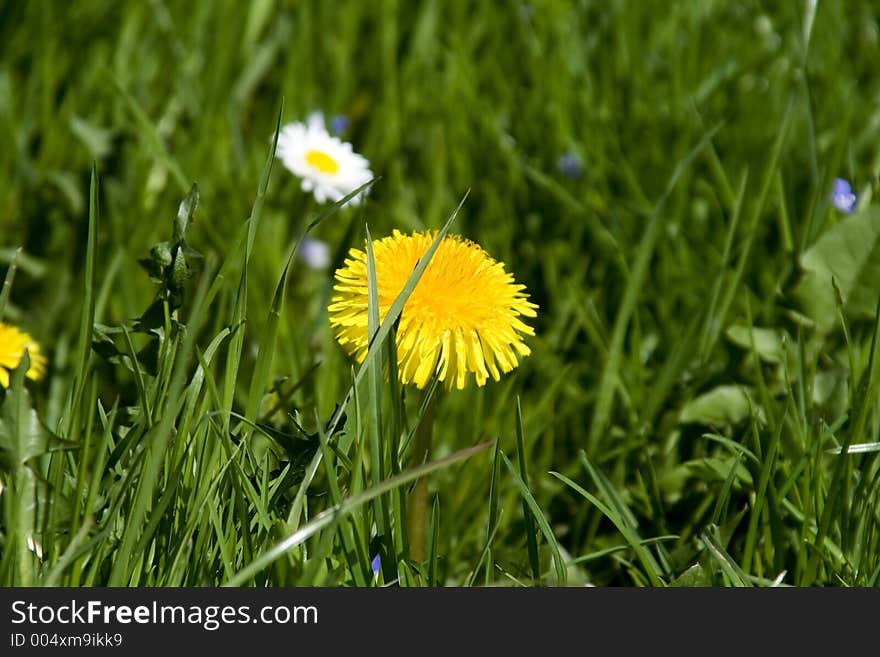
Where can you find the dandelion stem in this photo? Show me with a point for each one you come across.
(417, 509)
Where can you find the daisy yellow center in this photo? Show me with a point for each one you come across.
(462, 318)
(322, 162)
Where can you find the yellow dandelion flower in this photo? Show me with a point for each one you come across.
(13, 344)
(462, 318)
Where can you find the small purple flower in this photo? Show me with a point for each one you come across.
(339, 123)
(842, 197)
(376, 564)
(315, 253)
(570, 166)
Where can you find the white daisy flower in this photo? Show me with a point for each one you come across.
(327, 165)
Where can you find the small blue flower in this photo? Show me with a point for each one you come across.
(315, 253)
(339, 123)
(842, 197)
(376, 564)
(570, 166)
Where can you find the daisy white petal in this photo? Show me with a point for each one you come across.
(328, 166)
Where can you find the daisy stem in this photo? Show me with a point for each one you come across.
(417, 509)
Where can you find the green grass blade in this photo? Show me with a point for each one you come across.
(728, 566)
(336, 513)
(610, 371)
(239, 310)
(761, 496)
(541, 519)
(87, 319)
(648, 562)
(531, 538)
(7, 281)
(151, 135)
(159, 437)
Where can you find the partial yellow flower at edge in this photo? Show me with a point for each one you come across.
(461, 321)
(13, 344)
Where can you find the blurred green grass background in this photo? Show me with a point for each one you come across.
(639, 281)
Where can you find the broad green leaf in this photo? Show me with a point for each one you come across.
(768, 342)
(180, 271)
(22, 435)
(718, 469)
(693, 576)
(724, 405)
(831, 392)
(98, 140)
(185, 213)
(848, 253)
